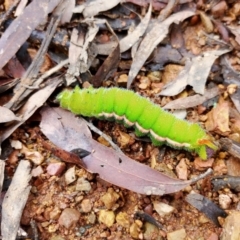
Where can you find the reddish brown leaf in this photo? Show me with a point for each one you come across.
(218, 118)
(58, 152)
(108, 67)
(14, 68)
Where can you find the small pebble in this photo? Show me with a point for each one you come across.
(69, 217)
(86, 205)
(91, 218)
(122, 78)
(54, 213)
(150, 231)
(213, 236)
(177, 235)
(134, 230)
(37, 171)
(224, 201)
(203, 165)
(16, 144)
(122, 219)
(106, 217)
(203, 219)
(83, 185)
(110, 198)
(220, 167)
(148, 209)
(155, 76)
(70, 175)
(162, 209)
(181, 169)
(56, 169)
(34, 156)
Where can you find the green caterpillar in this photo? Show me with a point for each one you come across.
(134, 110)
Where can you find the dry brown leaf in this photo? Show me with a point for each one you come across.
(195, 73)
(33, 103)
(22, 4)
(80, 57)
(60, 134)
(236, 31)
(14, 68)
(127, 42)
(65, 9)
(192, 101)
(108, 68)
(218, 118)
(20, 29)
(92, 8)
(7, 115)
(157, 33)
(231, 77)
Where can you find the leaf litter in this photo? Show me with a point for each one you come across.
(155, 35)
(195, 73)
(21, 28)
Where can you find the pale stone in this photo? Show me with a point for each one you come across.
(122, 219)
(151, 231)
(177, 235)
(69, 217)
(162, 209)
(224, 201)
(134, 230)
(109, 199)
(231, 230)
(86, 205)
(70, 175)
(106, 217)
(83, 185)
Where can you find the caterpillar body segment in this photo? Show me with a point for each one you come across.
(136, 111)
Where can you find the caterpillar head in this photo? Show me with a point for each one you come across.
(206, 148)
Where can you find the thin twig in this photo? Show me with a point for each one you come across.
(51, 71)
(107, 138)
(34, 229)
(30, 75)
(201, 176)
(167, 10)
